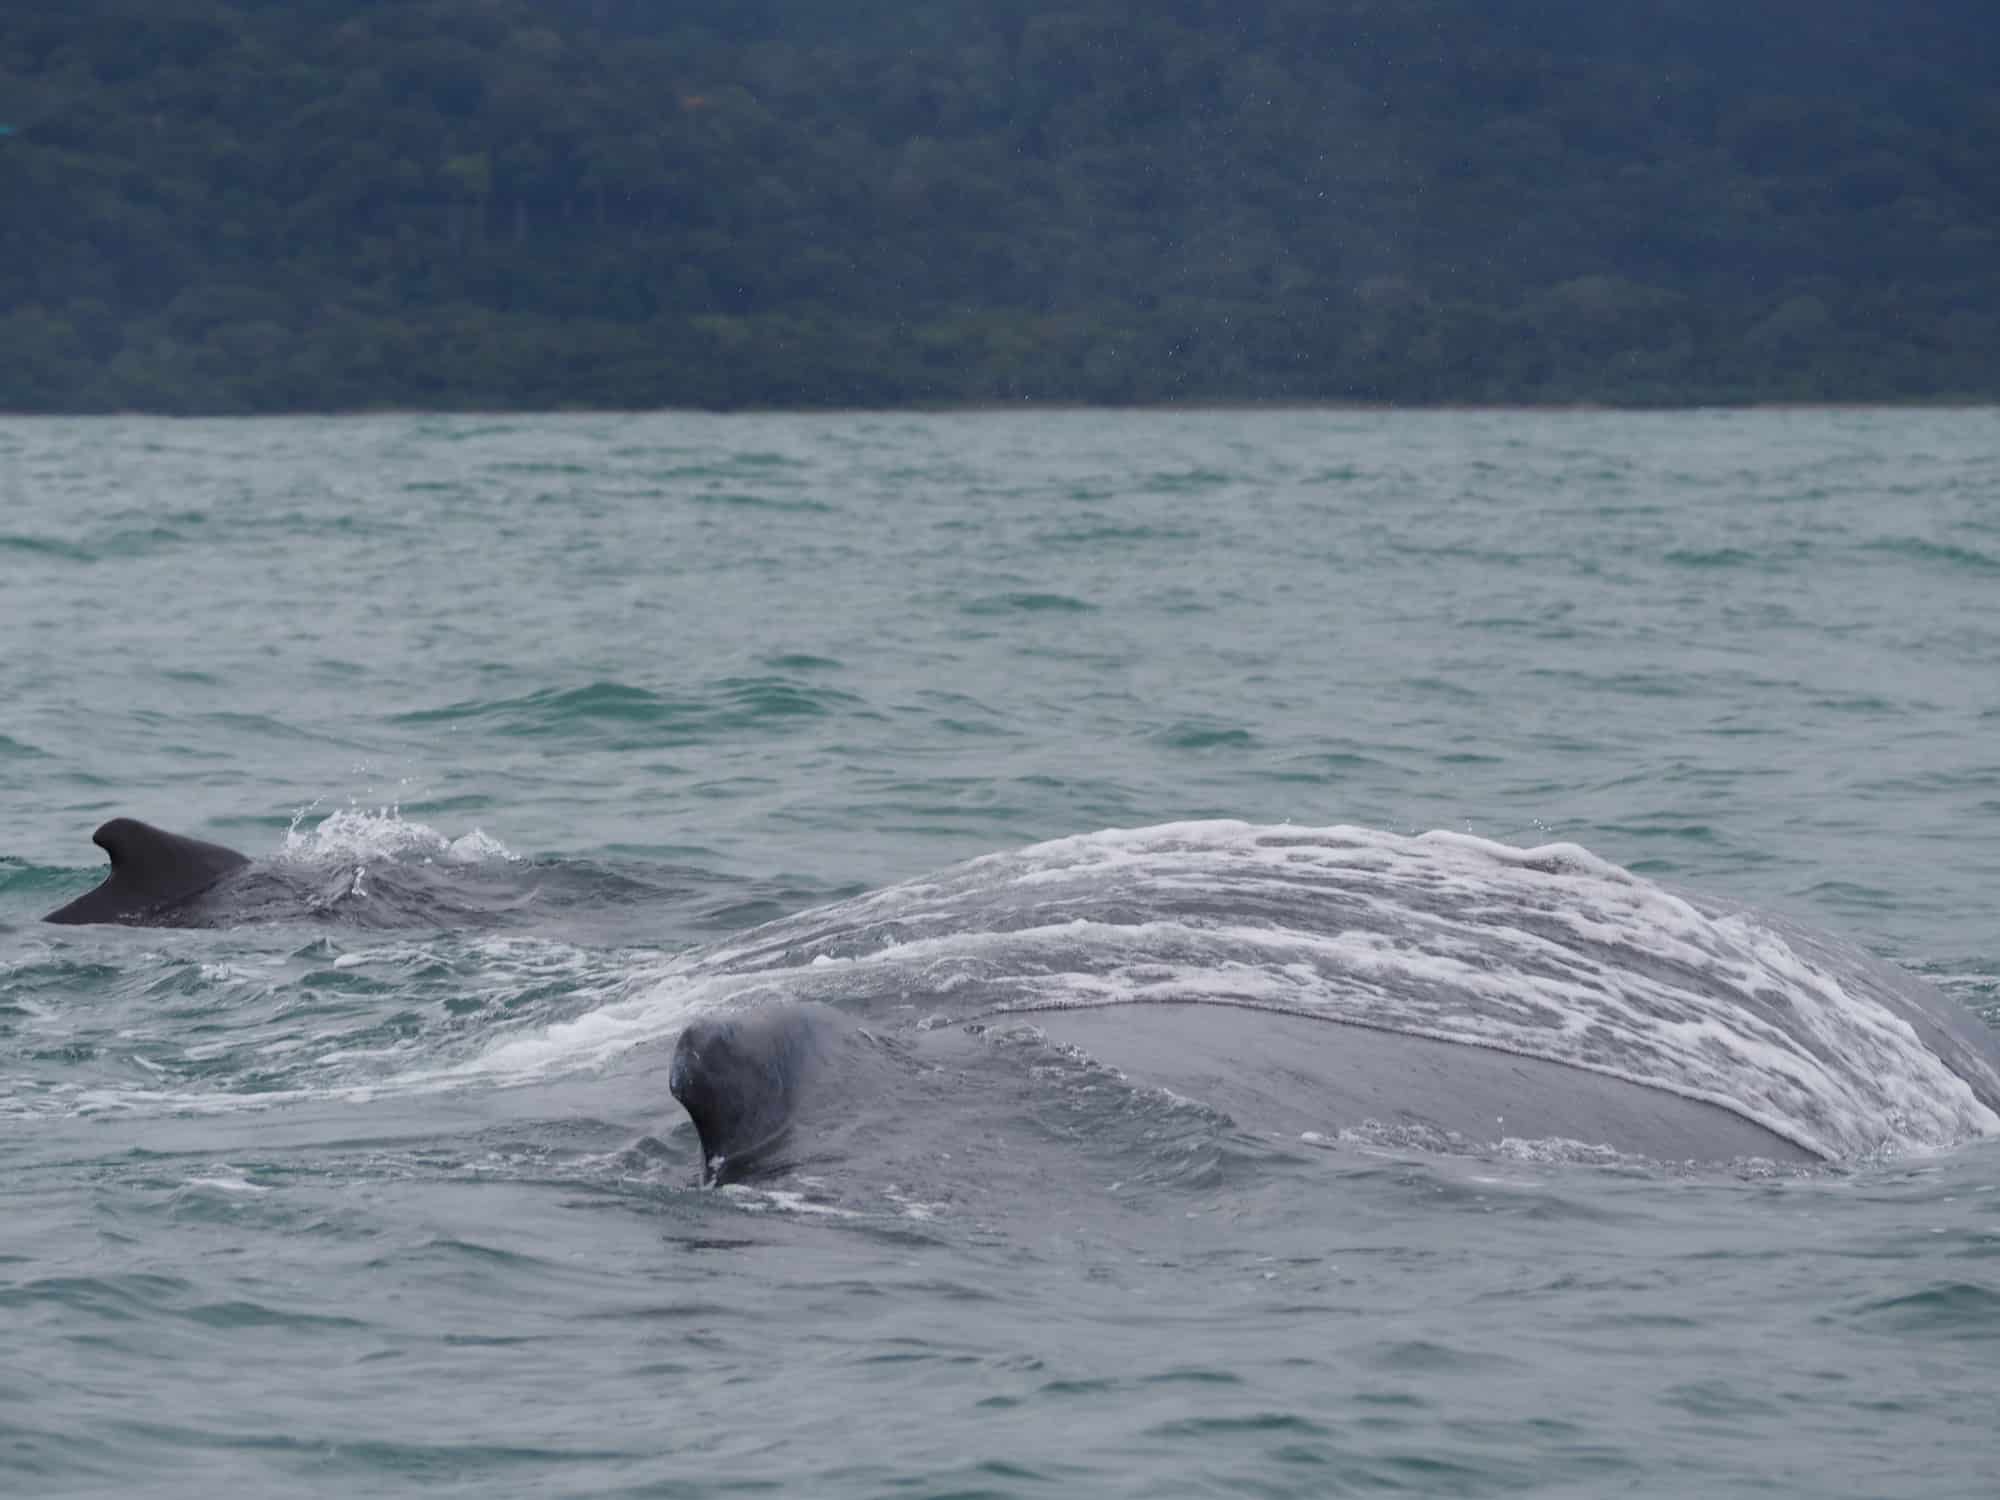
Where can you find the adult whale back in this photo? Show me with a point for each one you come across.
(755, 1084)
(1315, 982)
(154, 875)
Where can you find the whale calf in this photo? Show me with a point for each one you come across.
(154, 875)
(163, 879)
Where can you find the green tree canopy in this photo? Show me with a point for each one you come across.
(248, 205)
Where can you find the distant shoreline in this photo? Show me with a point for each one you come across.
(618, 205)
(982, 408)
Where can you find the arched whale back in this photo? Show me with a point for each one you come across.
(152, 872)
(1314, 979)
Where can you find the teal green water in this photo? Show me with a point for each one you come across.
(527, 706)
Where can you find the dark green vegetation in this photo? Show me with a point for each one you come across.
(252, 205)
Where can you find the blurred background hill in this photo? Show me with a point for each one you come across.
(261, 205)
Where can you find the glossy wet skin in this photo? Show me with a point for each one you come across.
(757, 1082)
(743, 1079)
(153, 873)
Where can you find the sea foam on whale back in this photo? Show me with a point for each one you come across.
(1550, 952)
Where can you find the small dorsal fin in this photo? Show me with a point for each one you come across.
(741, 1078)
(151, 870)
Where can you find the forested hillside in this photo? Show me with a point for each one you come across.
(253, 205)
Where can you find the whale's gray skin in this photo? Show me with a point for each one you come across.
(1296, 1075)
(154, 875)
(745, 1078)
(753, 1080)
(1326, 984)
(162, 879)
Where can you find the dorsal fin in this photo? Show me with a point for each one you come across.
(742, 1078)
(151, 870)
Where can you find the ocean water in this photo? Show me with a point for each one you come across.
(372, 1184)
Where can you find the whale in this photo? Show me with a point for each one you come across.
(1299, 985)
(1436, 992)
(155, 876)
(162, 879)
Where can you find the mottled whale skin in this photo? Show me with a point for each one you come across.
(753, 1082)
(744, 1080)
(1435, 991)
(154, 876)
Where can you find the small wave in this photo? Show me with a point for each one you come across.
(1098, 536)
(651, 719)
(47, 546)
(1956, 1309)
(551, 709)
(1206, 737)
(1185, 481)
(784, 505)
(254, 724)
(139, 541)
(458, 430)
(1919, 549)
(755, 698)
(540, 466)
(799, 661)
(1026, 603)
(1716, 557)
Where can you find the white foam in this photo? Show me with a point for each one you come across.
(652, 1010)
(357, 835)
(911, 1207)
(479, 847)
(226, 1179)
(764, 1200)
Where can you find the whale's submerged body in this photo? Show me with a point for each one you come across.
(1322, 983)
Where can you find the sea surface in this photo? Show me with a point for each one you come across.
(380, 1191)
